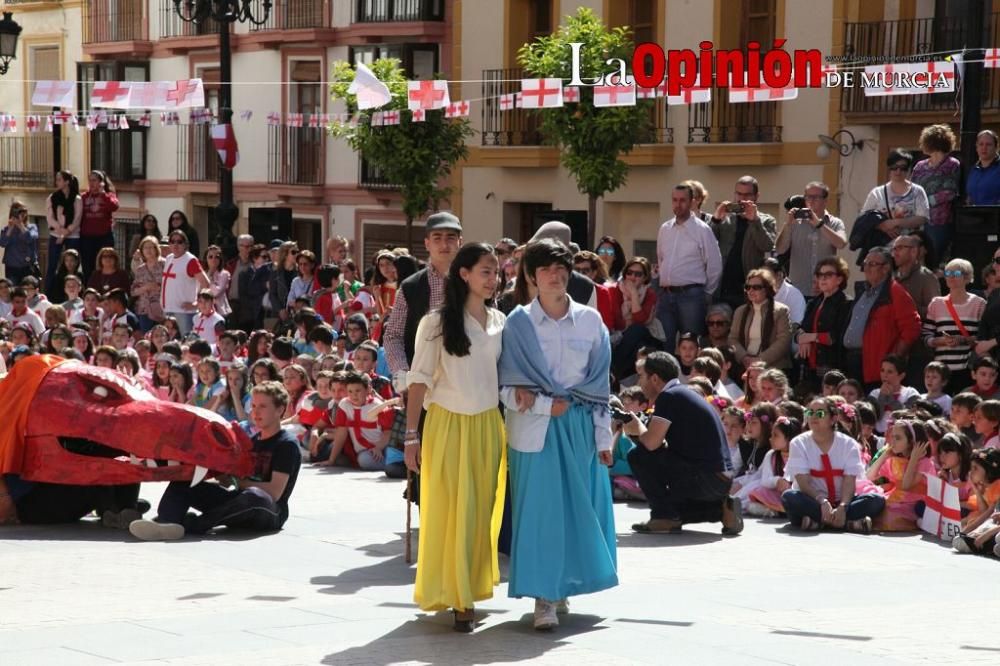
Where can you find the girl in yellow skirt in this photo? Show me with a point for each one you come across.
(461, 455)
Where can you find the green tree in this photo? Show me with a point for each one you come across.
(418, 157)
(591, 139)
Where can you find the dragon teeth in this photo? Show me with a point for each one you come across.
(199, 475)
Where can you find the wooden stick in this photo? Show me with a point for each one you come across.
(409, 510)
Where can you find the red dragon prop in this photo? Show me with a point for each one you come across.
(70, 423)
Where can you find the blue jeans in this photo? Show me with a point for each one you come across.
(681, 312)
(185, 321)
(797, 504)
(940, 235)
(623, 355)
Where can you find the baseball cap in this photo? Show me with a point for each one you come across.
(442, 222)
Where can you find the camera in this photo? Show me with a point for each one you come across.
(621, 415)
(803, 214)
(734, 207)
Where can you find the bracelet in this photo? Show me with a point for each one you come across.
(412, 432)
(411, 442)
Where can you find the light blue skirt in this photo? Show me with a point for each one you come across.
(563, 540)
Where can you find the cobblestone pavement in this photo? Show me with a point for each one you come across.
(333, 588)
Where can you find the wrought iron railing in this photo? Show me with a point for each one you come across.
(114, 21)
(197, 160)
(295, 155)
(26, 160)
(912, 40)
(386, 11)
(292, 14)
(171, 25)
(503, 126)
(371, 177)
(719, 121)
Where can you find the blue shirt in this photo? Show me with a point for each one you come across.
(20, 247)
(983, 186)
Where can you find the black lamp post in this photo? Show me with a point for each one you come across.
(10, 30)
(224, 12)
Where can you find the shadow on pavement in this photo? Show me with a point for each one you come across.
(683, 538)
(430, 639)
(92, 530)
(389, 572)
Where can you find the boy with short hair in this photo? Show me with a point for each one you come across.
(258, 503)
(208, 324)
(936, 376)
(72, 285)
(987, 423)
(282, 352)
(121, 337)
(365, 358)
(366, 420)
(197, 351)
(963, 410)
(225, 349)
(831, 382)
(891, 395)
(21, 312)
(320, 446)
(984, 377)
(687, 352)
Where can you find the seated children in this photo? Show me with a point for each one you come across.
(623, 483)
(687, 352)
(984, 378)
(366, 420)
(364, 360)
(979, 528)
(313, 415)
(903, 469)
(892, 395)
(765, 500)
(210, 390)
(963, 410)
(986, 421)
(936, 377)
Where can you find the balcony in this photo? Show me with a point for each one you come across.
(295, 155)
(371, 178)
(116, 29)
(718, 121)
(380, 21)
(292, 21)
(119, 153)
(898, 41)
(516, 127)
(182, 36)
(197, 161)
(26, 160)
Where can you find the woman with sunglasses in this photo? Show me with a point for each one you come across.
(825, 465)
(952, 323)
(633, 303)
(178, 221)
(218, 278)
(903, 201)
(183, 278)
(820, 338)
(611, 253)
(761, 330)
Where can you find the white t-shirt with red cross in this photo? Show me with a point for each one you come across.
(363, 431)
(180, 282)
(207, 328)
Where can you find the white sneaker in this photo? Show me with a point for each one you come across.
(562, 607)
(960, 544)
(761, 511)
(149, 530)
(545, 615)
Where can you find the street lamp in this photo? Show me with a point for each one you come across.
(224, 12)
(10, 30)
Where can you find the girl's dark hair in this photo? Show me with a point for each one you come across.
(914, 431)
(185, 372)
(252, 354)
(618, 265)
(768, 414)
(456, 292)
(74, 183)
(960, 444)
(272, 369)
(155, 233)
(406, 265)
(790, 428)
(62, 329)
(103, 177)
(989, 460)
(545, 252)
(899, 155)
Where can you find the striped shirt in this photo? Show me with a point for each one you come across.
(938, 322)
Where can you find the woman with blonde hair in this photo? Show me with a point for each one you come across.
(147, 284)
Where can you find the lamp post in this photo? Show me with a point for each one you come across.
(224, 12)
(10, 30)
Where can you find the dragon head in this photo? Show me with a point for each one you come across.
(91, 426)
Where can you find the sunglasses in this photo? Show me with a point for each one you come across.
(818, 413)
(826, 274)
(996, 260)
(60, 337)
(717, 322)
(753, 287)
(949, 274)
(214, 256)
(606, 252)
(638, 274)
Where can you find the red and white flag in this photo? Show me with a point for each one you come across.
(224, 140)
(185, 93)
(390, 117)
(294, 120)
(369, 91)
(145, 121)
(274, 118)
(75, 121)
(122, 122)
(571, 94)
(991, 59)
(8, 123)
(457, 110)
(314, 120)
(91, 121)
(943, 512)
(61, 117)
(614, 94)
(541, 93)
(110, 94)
(763, 94)
(54, 93)
(910, 78)
(689, 96)
(427, 95)
(418, 116)
(148, 95)
(48, 123)
(645, 93)
(31, 124)
(507, 102)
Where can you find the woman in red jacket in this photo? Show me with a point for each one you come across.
(99, 202)
(633, 303)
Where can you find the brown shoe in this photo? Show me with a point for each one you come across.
(658, 526)
(732, 516)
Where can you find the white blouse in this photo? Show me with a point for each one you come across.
(461, 384)
(805, 458)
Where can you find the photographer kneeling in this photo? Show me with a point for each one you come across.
(685, 479)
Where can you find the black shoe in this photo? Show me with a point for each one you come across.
(464, 621)
(732, 516)
(142, 506)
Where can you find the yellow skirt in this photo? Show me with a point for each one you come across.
(463, 478)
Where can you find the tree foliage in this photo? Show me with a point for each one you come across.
(591, 139)
(418, 157)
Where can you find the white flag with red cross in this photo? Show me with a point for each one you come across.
(427, 95)
(571, 94)
(54, 93)
(418, 116)
(991, 59)
(48, 124)
(645, 93)
(390, 117)
(508, 102)
(943, 512)
(224, 140)
(145, 121)
(122, 122)
(763, 93)
(31, 124)
(294, 120)
(274, 118)
(370, 92)
(110, 94)
(185, 93)
(457, 110)
(541, 93)
(689, 96)
(911, 78)
(615, 94)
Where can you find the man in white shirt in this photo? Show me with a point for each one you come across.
(20, 312)
(183, 276)
(690, 266)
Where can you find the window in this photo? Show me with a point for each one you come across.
(119, 153)
(44, 64)
(642, 20)
(419, 61)
(758, 19)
